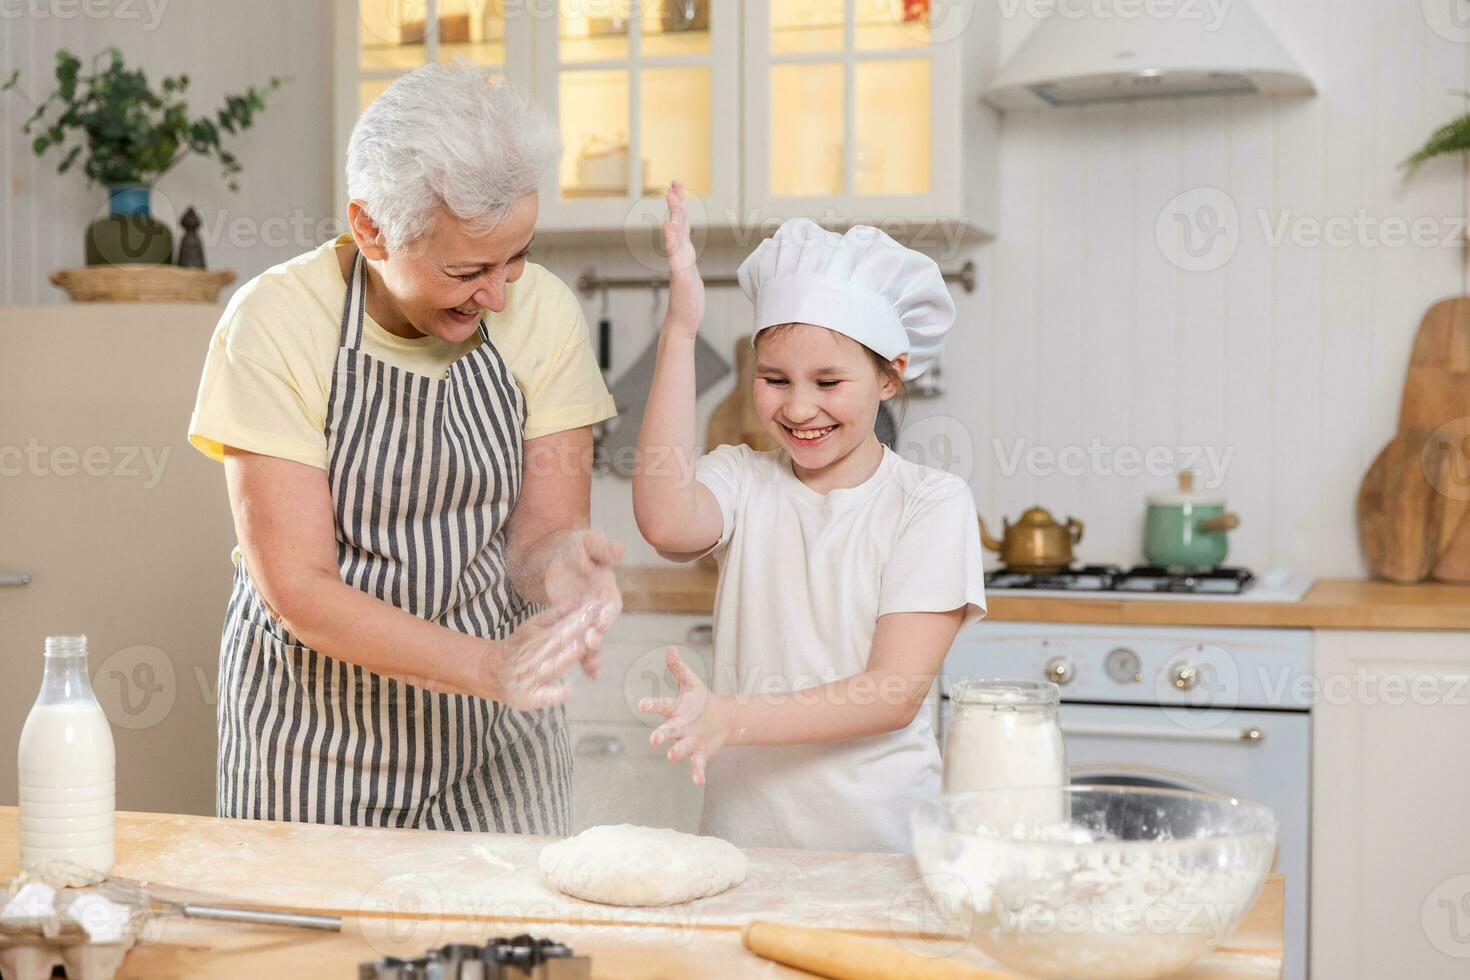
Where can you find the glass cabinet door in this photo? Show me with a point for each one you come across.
(637, 87)
(395, 36)
(840, 108)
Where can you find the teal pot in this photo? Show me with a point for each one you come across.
(129, 234)
(1187, 529)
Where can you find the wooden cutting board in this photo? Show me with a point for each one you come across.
(734, 420)
(1399, 510)
(1412, 521)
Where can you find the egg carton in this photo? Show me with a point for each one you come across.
(34, 957)
(42, 927)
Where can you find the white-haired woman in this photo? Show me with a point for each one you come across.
(404, 416)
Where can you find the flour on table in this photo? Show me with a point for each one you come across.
(624, 864)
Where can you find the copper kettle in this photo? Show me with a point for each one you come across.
(1035, 543)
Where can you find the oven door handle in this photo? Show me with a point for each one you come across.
(1249, 736)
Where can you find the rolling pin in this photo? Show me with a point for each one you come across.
(843, 956)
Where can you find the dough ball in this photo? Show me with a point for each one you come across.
(624, 864)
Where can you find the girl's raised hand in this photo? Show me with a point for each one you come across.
(698, 723)
(686, 289)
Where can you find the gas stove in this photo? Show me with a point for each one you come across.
(1152, 582)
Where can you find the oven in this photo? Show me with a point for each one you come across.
(1212, 710)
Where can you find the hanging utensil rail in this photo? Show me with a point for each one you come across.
(590, 282)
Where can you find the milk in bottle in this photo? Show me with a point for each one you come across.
(67, 768)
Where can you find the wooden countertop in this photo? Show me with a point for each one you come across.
(403, 891)
(1349, 604)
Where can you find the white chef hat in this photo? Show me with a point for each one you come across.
(861, 284)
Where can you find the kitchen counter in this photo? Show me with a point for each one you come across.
(1351, 604)
(402, 891)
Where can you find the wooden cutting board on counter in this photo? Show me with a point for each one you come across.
(1414, 502)
(734, 420)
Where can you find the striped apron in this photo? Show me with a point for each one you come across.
(424, 472)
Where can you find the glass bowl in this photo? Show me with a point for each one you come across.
(1096, 882)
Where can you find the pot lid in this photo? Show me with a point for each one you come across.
(1186, 495)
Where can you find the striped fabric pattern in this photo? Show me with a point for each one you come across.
(424, 473)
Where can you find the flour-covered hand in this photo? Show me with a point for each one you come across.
(698, 723)
(579, 573)
(524, 670)
(686, 288)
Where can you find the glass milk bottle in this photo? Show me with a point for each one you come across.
(67, 767)
(1005, 734)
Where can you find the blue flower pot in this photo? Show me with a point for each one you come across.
(128, 235)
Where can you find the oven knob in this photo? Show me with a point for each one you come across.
(1123, 666)
(1059, 670)
(1185, 677)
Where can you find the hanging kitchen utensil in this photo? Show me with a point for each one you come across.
(1185, 528)
(630, 394)
(604, 336)
(1035, 543)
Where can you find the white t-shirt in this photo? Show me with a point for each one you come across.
(804, 577)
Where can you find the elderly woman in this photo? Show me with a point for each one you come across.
(404, 417)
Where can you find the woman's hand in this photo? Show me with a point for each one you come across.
(698, 723)
(686, 289)
(524, 670)
(579, 572)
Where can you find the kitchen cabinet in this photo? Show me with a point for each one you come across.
(376, 41)
(640, 92)
(846, 111)
(617, 777)
(1390, 888)
(869, 111)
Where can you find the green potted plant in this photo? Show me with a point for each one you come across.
(1452, 137)
(128, 136)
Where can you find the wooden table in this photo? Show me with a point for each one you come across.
(403, 891)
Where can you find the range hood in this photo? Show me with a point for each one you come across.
(1086, 53)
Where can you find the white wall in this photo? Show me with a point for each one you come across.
(1289, 358)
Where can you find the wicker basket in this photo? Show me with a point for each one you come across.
(142, 284)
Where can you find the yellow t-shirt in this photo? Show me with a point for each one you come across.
(268, 374)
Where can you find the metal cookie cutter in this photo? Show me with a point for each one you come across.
(522, 957)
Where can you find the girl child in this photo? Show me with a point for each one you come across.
(845, 570)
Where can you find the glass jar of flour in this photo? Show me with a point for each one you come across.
(1006, 733)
